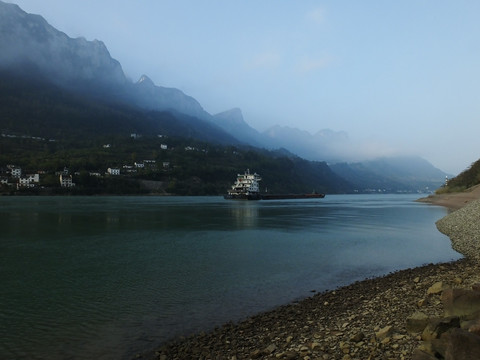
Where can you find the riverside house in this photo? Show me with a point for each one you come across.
(66, 181)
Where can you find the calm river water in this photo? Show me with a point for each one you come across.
(108, 277)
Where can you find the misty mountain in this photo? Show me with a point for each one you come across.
(147, 95)
(49, 62)
(408, 173)
(27, 41)
(30, 105)
(325, 144)
(232, 122)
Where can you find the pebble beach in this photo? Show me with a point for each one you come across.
(364, 320)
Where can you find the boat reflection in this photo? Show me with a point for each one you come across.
(244, 214)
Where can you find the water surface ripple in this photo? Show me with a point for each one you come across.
(108, 277)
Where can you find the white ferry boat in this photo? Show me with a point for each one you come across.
(246, 187)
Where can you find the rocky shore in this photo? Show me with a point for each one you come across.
(371, 319)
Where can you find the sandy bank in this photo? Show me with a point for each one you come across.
(454, 200)
(365, 320)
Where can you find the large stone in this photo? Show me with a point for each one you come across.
(461, 302)
(436, 288)
(436, 347)
(472, 326)
(417, 322)
(359, 336)
(436, 327)
(270, 349)
(384, 332)
(422, 355)
(462, 346)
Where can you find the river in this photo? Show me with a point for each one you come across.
(109, 277)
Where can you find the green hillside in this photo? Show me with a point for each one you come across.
(466, 179)
(44, 129)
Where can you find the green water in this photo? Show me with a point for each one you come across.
(108, 277)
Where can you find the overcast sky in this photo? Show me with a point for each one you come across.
(398, 76)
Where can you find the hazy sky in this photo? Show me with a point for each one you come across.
(397, 76)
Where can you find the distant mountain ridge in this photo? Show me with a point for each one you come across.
(395, 174)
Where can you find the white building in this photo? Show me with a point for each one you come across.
(16, 172)
(66, 181)
(113, 171)
(33, 178)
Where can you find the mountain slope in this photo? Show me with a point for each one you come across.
(394, 174)
(31, 105)
(28, 40)
(466, 179)
(232, 122)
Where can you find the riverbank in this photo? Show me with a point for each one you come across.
(365, 320)
(454, 201)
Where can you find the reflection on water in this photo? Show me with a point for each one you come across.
(244, 214)
(107, 277)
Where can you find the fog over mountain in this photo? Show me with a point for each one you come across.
(31, 46)
(29, 42)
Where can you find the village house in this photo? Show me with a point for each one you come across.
(66, 181)
(16, 172)
(25, 182)
(129, 169)
(113, 171)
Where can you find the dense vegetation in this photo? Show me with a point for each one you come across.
(47, 129)
(185, 167)
(468, 178)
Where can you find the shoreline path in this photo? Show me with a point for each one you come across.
(364, 320)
